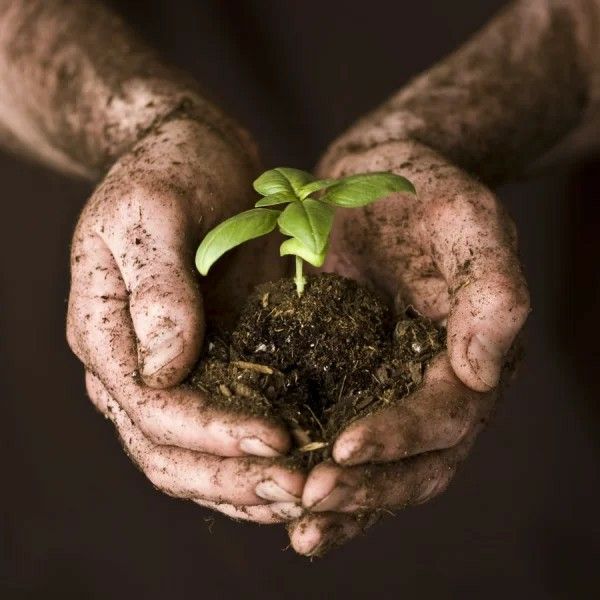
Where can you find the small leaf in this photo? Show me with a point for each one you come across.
(233, 232)
(297, 248)
(315, 186)
(273, 199)
(308, 221)
(360, 190)
(282, 179)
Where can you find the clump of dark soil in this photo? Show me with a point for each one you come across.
(316, 362)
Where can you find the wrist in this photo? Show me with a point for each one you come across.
(144, 105)
(447, 136)
(376, 129)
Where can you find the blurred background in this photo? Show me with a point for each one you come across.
(521, 517)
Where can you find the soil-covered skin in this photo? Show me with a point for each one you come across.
(316, 362)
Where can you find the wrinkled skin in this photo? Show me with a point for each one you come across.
(451, 253)
(136, 321)
(521, 92)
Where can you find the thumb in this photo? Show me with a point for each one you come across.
(486, 317)
(474, 245)
(166, 311)
(151, 243)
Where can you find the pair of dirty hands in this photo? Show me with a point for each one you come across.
(136, 320)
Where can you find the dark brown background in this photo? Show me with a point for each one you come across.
(521, 518)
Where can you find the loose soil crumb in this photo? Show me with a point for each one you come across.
(317, 362)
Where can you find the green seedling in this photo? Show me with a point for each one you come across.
(304, 219)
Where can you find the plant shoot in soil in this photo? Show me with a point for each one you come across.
(305, 212)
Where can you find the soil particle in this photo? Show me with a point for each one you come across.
(316, 362)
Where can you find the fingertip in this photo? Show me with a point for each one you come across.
(352, 447)
(265, 439)
(485, 360)
(305, 537)
(254, 446)
(321, 482)
(315, 535)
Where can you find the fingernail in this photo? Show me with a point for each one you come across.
(160, 351)
(287, 510)
(256, 447)
(338, 497)
(429, 490)
(485, 358)
(353, 453)
(269, 490)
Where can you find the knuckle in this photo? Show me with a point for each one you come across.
(467, 208)
(148, 289)
(513, 299)
(125, 206)
(169, 288)
(503, 292)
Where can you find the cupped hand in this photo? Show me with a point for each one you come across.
(450, 252)
(136, 321)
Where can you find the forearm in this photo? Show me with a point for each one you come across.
(77, 88)
(522, 87)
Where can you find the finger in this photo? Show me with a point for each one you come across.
(100, 333)
(268, 514)
(187, 474)
(149, 234)
(415, 480)
(317, 534)
(473, 244)
(440, 414)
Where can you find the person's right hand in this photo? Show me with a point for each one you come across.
(136, 321)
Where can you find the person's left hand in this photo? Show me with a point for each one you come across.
(450, 252)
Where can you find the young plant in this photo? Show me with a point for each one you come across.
(305, 220)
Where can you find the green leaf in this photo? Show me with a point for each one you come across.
(233, 232)
(309, 222)
(359, 190)
(315, 186)
(297, 248)
(279, 198)
(282, 179)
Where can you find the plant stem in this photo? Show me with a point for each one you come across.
(299, 280)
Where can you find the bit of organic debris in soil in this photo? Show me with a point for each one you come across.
(317, 362)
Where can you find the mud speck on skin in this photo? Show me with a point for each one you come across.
(316, 362)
